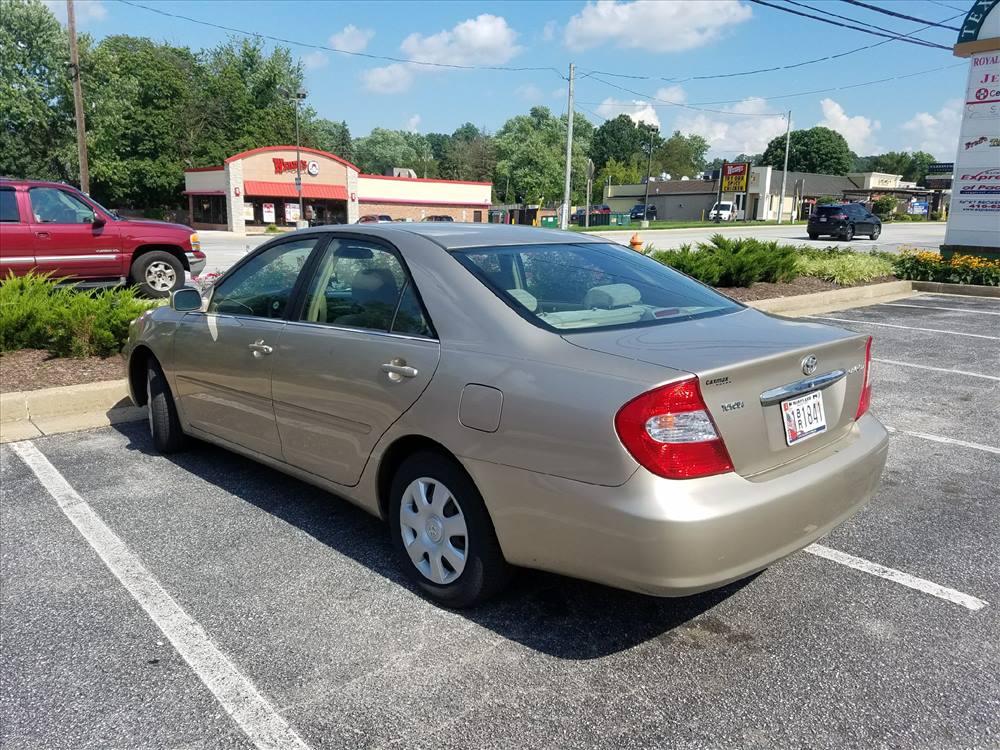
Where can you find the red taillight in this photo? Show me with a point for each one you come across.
(865, 400)
(670, 432)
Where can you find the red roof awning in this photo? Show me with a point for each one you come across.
(267, 189)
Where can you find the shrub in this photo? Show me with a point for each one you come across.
(37, 313)
(271, 229)
(959, 269)
(937, 215)
(844, 266)
(884, 205)
(731, 262)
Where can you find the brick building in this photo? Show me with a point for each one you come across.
(256, 188)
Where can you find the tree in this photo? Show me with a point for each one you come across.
(892, 162)
(819, 150)
(681, 155)
(331, 136)
(36, 135)
(618, 173)
(919, 164)
(751, 159)
(384, 149)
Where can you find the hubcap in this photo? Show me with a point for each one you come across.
(160, 276)
(434, 530)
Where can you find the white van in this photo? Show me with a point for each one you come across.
(723, 210)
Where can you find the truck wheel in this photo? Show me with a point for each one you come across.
(157, 273)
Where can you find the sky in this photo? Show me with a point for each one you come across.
(639, 58)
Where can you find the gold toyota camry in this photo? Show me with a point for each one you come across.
(504, 396)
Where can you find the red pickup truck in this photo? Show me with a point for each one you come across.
(53, 227)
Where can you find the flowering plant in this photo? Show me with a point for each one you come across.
(958, 269)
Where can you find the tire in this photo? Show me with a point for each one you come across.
(876, 232)
(442, 532)
(813, 236)
(849, 233)
(164, 425)
(157, 273)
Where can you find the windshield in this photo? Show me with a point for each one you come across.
(113, 214)
(591, 286)
(722, 206)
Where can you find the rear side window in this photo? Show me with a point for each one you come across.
(591, 286)
(8, 205)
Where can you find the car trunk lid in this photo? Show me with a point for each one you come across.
(742, 361)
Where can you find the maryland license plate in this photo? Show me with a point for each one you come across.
(803, 417)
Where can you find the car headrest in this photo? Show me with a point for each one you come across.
(374, 285)
(529, 301)
(610, 296)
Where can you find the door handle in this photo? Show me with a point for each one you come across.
(259, 348)
(42, 235)
(397, 369)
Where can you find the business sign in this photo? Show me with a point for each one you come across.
(281, 166)
(291, 212)
(734, 177)
(268, 212)
(917, 207)
(248, 211)
(941, 167)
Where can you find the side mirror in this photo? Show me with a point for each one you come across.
(98, 221)
(185, 299)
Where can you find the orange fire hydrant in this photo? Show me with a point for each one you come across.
(635, 243)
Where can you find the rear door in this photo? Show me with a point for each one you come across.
(16, 244)
(360, 351)
(67, 242)
(223, 356)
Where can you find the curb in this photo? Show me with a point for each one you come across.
(970, 290)
(835, 299)
(48, 411)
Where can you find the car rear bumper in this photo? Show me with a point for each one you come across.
(674, 538)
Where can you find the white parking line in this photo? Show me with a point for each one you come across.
(934, 307)
(909, 328)
(946, 440)
(935, 369)
(238, 695)
(920, 584)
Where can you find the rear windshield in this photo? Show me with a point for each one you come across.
(591, 286)
(830, 210)
(723, 206)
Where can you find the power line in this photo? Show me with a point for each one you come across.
(326, 48)
(945, 5)
(684, 105)
(904, 38)
(903, 35)
(755, 71)
(894, 14)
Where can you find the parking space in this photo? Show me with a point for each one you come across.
(300, 592)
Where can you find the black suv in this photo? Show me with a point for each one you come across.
(643, 212)
(843, 220)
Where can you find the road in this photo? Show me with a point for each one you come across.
(300, 594)
(223, 248)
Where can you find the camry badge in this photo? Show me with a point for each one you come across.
(809, 364)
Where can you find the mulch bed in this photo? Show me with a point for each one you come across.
(31, 369)
(800, 285)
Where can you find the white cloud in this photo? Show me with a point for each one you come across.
(652, 25)
(858, 130)
(935, 133)
(86, 10)
(549, 31)
(730, 134)
(671, 94)
(530, 93)
(637, 109)
(351, 39)
(483, 40)
(389, 79)
(413, 124)
(315, 60)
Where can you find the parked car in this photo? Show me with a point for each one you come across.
(52, 227)
(843, 220)
(723, 211)
(643, 211)
(578, 216)
(507, 396)
(375, 219)
(602, 208)
(438, 217)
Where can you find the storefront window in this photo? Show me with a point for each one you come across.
(210, 209)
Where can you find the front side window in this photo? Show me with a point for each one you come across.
(591, 286)
(262, 287)
(8, 205)
(359, 284)
(54, 206)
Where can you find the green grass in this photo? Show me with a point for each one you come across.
(634, 226)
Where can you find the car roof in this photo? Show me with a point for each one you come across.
(35, 183)
(458, 235)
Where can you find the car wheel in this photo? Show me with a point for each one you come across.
(157, 273)
(164, 424)
(813, 236)
(849, 233)
(443, 534)
(876, 232)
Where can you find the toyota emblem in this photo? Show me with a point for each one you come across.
(809, 364)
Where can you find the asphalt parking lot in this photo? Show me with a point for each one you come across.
(301, 631)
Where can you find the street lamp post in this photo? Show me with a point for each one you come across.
(649, 167)
(298, 95)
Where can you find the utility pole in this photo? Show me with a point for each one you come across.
(564, 220)
(81, 125)
(590, 186)
(784, 172)
(649, 167)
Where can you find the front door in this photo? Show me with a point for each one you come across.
(223, 357)
(357, 355)
(67, 241)
(17, 253)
